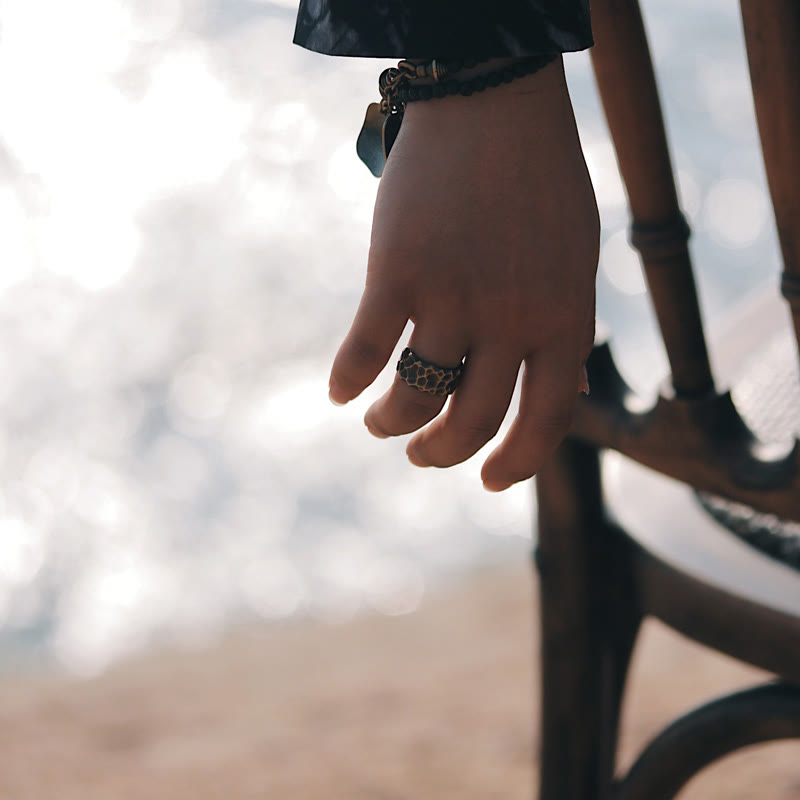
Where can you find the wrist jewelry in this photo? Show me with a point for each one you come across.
(382, 121)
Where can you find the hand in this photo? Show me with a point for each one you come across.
(486, 237)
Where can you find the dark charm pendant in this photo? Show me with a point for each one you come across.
(391, 127)
(377, 137)
(369, 144)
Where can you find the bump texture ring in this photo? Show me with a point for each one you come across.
(427, 376)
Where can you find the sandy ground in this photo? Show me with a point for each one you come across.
(437, 704)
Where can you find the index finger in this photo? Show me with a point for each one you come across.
(368, 345)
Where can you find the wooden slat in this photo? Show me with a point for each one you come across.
(625, 78)
(772, 35)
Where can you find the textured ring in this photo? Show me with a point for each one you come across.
(427, 376)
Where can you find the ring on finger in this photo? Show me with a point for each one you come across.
(426, 376)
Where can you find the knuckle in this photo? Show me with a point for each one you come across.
(419, 405)
(363, 351)
(403, 416)
(477, 432)
(511, 473)
(453, 444)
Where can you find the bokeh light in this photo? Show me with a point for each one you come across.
(621, 265)
(184, 228)
(735, 212)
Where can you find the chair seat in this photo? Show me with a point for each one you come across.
(694, 552)
(776, 537)
(697, 577)
(767, 394)
(703, 552)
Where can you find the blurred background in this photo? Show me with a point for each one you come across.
(183, 236)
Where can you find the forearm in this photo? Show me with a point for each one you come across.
(534, 112)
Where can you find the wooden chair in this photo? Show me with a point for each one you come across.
(689, 560)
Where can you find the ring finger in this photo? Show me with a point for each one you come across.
(403, 408)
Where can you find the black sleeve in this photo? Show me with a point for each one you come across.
(443, 28)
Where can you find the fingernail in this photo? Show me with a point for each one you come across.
(332, 397)
(496, 486)
(584, 384)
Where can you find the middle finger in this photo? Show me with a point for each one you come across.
(475, 413)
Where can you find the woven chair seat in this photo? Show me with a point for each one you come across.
(768, 398)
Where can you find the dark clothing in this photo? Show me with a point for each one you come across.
(443, 28)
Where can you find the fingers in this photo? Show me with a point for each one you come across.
(365, 350)
(545, 414)
(404, 409)
(475, 413)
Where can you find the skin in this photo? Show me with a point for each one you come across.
(486, 236)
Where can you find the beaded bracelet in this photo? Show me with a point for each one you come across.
(438, 69)
(477, 83)
(382, 121)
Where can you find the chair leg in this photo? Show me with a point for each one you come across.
(589, 621)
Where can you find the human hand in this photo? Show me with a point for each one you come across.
(486, 237)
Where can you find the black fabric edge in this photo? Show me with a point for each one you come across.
(508, 53)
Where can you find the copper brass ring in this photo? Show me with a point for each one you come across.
(427, 376)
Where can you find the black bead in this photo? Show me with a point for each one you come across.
(451, 87)
(466, 90)
(508, 75)
(469, 63)
(439, 90)
(425, 92)
(520, 69)
(413, 93)
(494, 79)
(479, 84)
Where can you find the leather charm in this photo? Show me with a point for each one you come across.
(369, 144)
(377, 137)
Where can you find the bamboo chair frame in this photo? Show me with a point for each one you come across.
(597, 579)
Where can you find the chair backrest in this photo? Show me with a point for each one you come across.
(696, 435)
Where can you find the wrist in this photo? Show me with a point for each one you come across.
(450, 85)
(473, 67)
(545, 90)
(437, 80)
